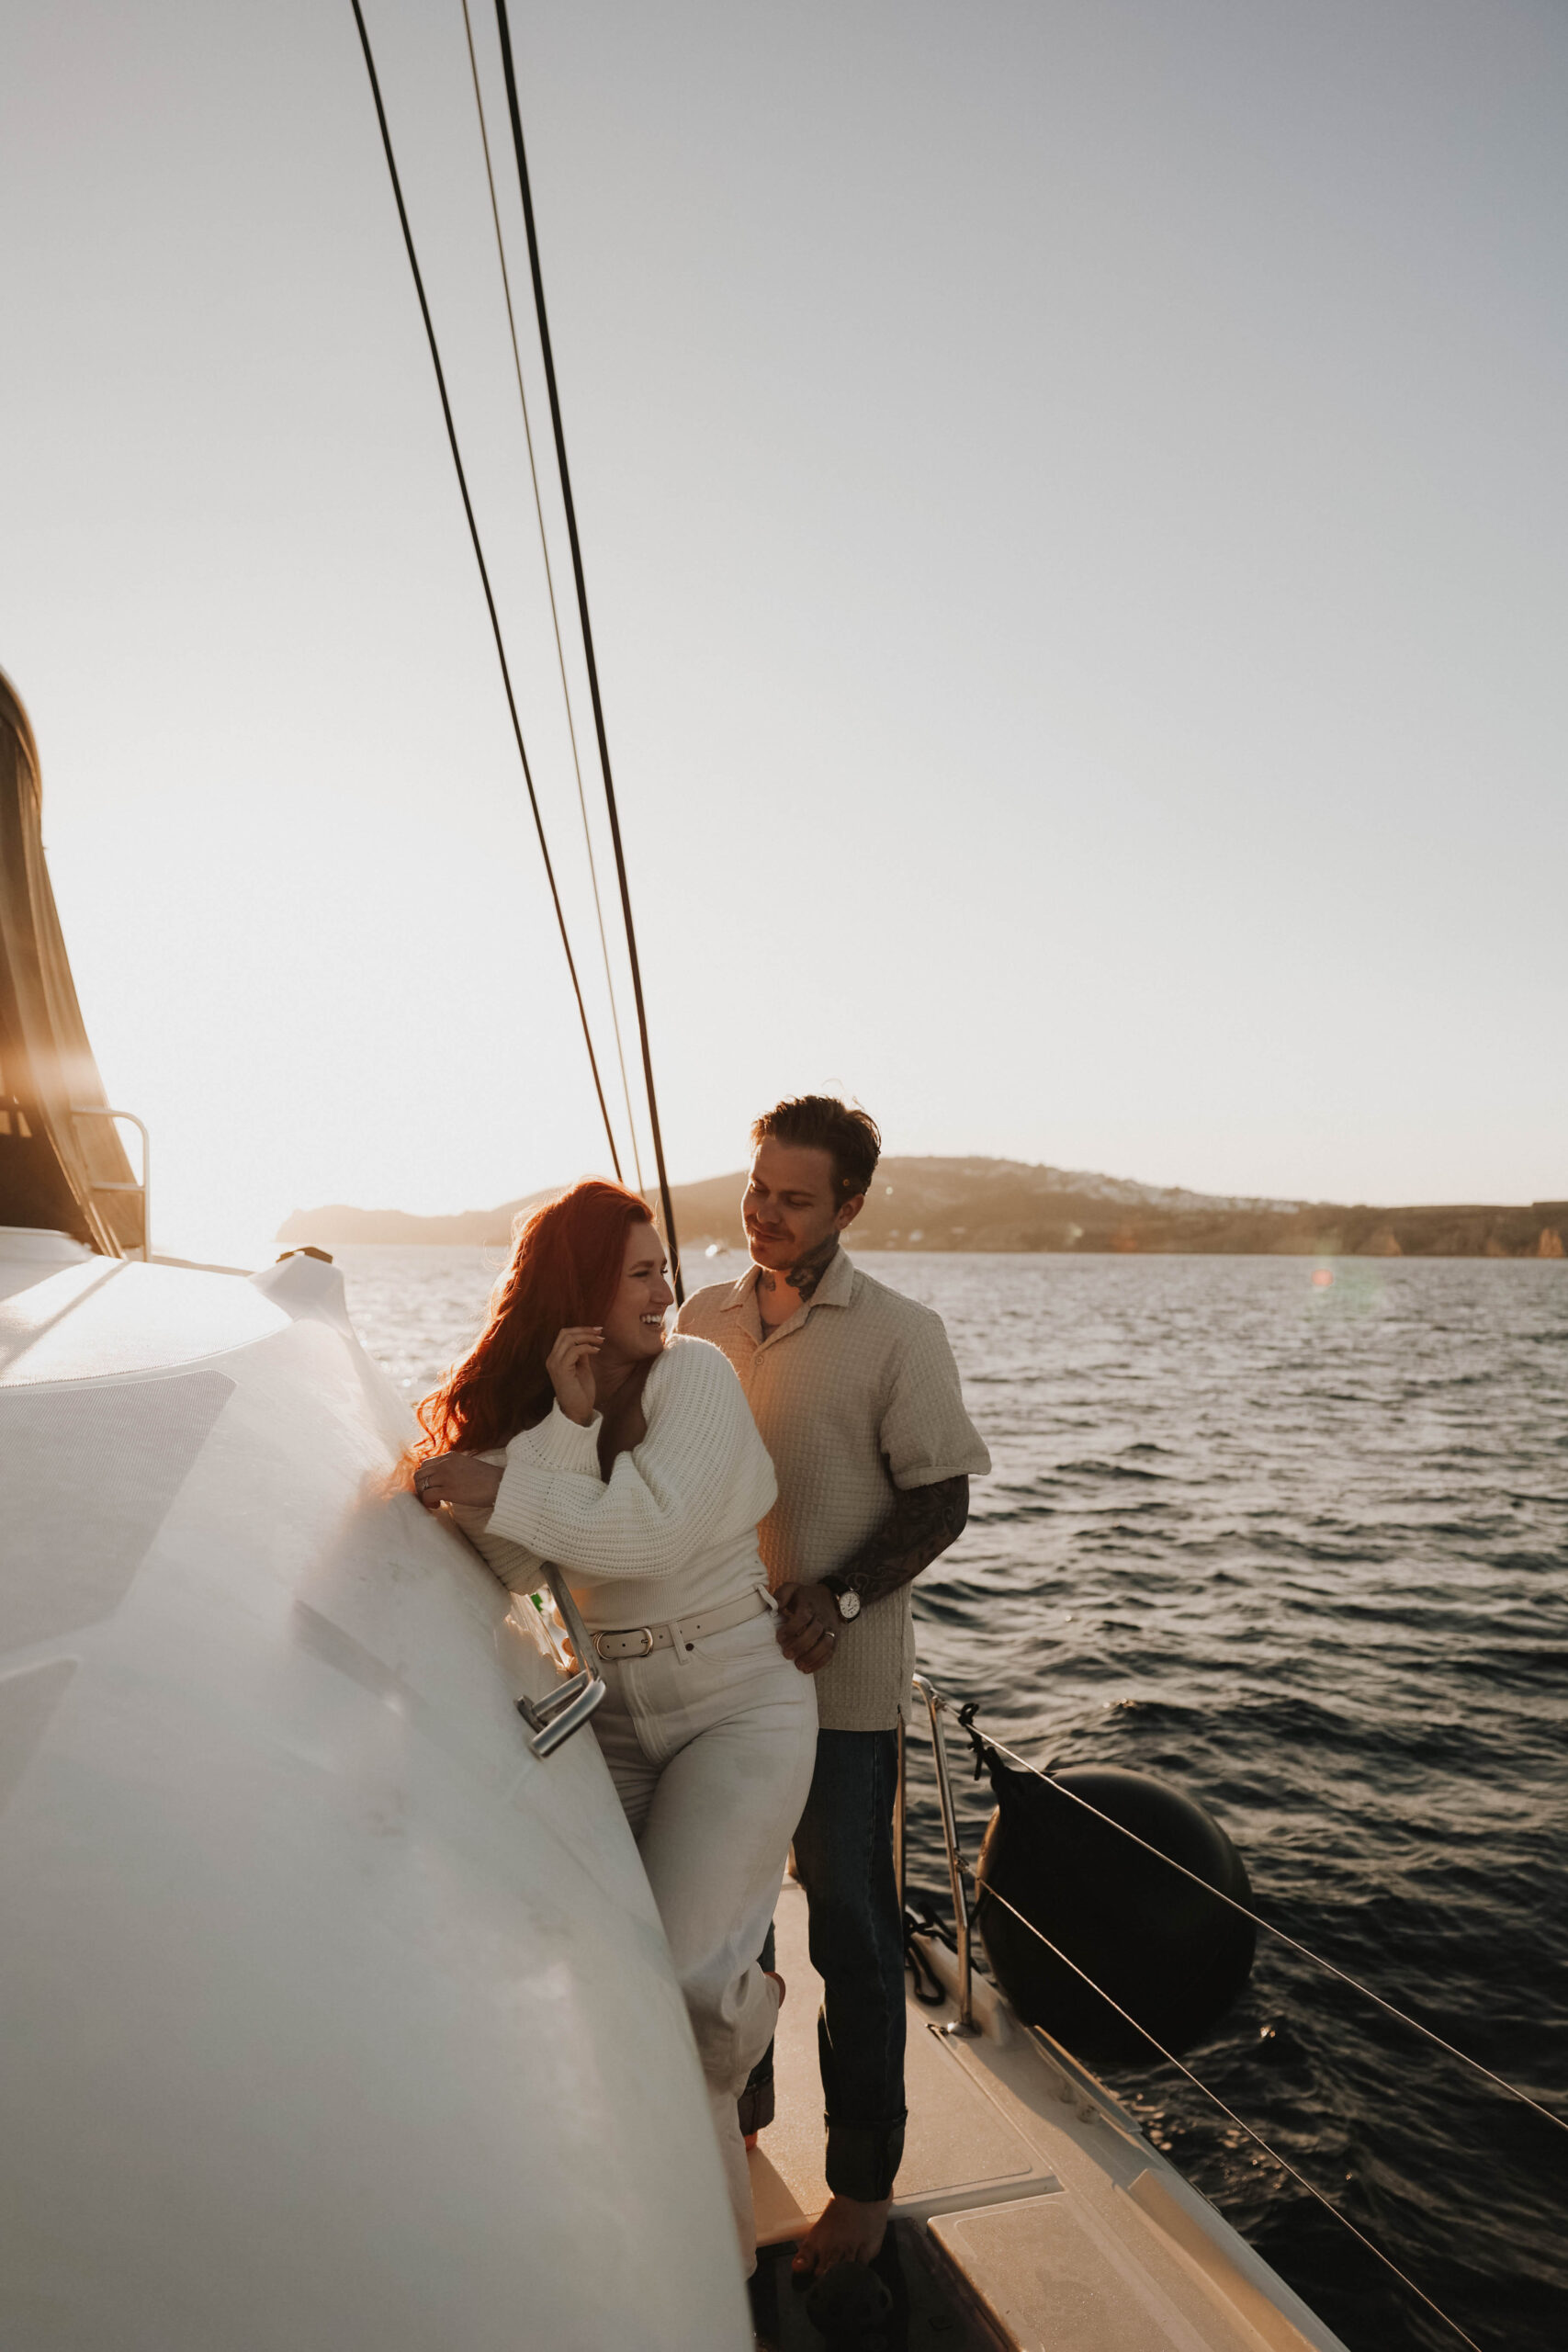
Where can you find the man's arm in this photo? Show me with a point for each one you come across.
(921, 1525)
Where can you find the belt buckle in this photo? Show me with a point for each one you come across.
(644, 1632)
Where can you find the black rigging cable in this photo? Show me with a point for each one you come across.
(550, 584)
(505, 31)
(484, 578)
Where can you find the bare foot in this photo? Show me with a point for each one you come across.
(849, 2231)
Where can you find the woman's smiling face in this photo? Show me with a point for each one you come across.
(634, 1321)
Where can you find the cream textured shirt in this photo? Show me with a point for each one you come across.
(856, 1396)
(672, 1531)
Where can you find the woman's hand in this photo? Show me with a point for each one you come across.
(571, 1366)
(456, 1478)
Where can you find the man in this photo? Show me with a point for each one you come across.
(856, 1394)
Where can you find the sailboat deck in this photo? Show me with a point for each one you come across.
(1057, 2220)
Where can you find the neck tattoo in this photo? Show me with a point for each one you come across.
(808, 1272)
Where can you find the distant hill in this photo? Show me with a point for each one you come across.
(1007, 1205)
(338, 1223)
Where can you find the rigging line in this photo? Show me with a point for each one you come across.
(1270, 1928)
(1283, 2161)
(484, 573)
(505, 32)
(555, 616)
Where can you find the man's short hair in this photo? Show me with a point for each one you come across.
(849, 1136)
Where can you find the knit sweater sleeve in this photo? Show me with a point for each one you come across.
(518, 1568)
(701, 1475)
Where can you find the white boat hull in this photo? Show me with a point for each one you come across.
(334, 2020)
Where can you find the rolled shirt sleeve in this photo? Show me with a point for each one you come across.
(926, 1434)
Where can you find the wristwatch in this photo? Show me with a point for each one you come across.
(845, 1600)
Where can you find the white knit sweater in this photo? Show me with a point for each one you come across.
(671, 1532)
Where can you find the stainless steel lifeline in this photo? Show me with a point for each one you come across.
(958, 1869)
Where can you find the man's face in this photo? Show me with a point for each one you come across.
(789, 1206)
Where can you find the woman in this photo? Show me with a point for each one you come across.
(575, 1431)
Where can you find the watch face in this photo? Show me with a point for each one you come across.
(849, 1604)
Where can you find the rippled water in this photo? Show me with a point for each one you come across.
(1301, 1547)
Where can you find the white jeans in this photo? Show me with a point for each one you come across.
(711, 1752)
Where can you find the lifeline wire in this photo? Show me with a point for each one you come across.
(1268, 1928)
(504, 30)
(550, 584)
(484, 574)
(1283, 2161)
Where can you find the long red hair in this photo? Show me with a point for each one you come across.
(564, 1270)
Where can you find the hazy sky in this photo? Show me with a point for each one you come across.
(1075, 502)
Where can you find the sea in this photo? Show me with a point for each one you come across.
(1290, 1534)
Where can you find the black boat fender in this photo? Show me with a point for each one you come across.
(1164, 1949)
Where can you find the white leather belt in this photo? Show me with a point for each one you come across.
(680, 1633)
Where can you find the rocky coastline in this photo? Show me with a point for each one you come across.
(1008, 1205)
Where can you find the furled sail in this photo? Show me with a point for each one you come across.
(62, 1163)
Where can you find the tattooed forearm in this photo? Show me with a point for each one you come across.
(921, 1525)
(807, 1272)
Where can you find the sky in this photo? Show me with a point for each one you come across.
(1075, 516)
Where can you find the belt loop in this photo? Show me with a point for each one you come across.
(682, 1641)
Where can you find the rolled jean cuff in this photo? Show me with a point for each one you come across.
(863, 2159)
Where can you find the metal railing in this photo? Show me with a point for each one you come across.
(101, 1111)
(957, 1867)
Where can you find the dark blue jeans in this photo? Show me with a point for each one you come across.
(843, 1857)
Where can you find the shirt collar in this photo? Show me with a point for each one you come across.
(741, 1290)
(833, 1290)
(836, 1285)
